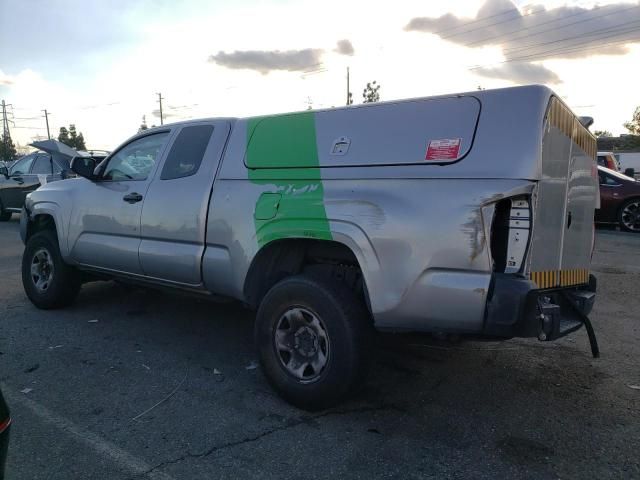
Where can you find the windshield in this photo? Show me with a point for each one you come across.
(618, 175)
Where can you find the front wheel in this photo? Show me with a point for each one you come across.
(314, 340)
(47, 280)
(629, 216)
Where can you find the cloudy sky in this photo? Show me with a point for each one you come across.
(100, 64)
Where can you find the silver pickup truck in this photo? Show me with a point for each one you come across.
(466, 214)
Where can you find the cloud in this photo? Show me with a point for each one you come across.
(5, 79)
(265, 61)
(520, 73)
(344, 47)
(536, 33)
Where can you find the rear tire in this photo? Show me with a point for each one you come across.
(5, 216)
(47, 280)
(304, 320)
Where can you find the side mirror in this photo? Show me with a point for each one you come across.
(630, 172)
(83, 167)
(4, 171)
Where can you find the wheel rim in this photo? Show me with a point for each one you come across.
(42, 270)
(302, 344)
(631, 216)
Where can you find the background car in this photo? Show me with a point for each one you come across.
(25, 176)
(5, 423)
(619, 200)
(49, 164)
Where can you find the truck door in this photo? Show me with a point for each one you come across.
(15, 188)
(104, 229)
(174, 214)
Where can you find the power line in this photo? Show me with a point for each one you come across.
(520, 15)
(555, 52)
(581, 36)
(596, 17)
(600, 33)
(471, 22)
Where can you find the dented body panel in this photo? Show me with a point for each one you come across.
(411, 188)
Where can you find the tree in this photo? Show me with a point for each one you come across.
(72, 138)
(634, 125)
(371, 93)
(602, 133)
(7, 148)
(143, 125)
(63, 136)
(77, 139)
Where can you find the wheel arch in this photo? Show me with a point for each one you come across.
(43, 216)
(281, 258)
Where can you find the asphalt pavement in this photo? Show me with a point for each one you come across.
(134, 383)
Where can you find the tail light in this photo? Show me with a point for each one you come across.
(510, 232)
(5, 424)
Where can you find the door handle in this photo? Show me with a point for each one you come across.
(19, 180)
(132, 197)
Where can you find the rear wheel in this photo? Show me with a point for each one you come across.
(629, 216)
(314, 340)
(4, 214)
(47, 280)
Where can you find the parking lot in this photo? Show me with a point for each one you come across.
(132, 383)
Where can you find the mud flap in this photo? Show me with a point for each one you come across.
(575, 301)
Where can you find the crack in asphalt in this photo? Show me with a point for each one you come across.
(292, 424)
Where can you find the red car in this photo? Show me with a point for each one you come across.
(619, 200)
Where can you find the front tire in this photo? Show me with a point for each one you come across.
(47, 280)
(314, 339)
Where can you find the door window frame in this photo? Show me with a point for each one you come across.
(12, 171)
(161, 154)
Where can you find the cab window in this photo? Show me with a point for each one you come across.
(135, 160)
(185, 156)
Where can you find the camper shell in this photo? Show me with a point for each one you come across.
(465, 214)
(423, 227)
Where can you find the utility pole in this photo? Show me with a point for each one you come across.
(6, 136)
(5, 122)
(160, 102)
(46, 117)
(348, 92)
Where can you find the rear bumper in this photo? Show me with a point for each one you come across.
(517, 308)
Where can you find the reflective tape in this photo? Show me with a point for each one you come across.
(564, 120)
(560, 278)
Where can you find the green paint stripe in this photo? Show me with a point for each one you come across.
(279, 151)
